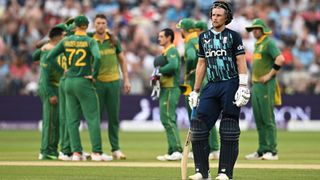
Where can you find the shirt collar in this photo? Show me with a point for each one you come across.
(166, 49)
(106, 37)
(261, 39)
(80, 33)
(191, 36)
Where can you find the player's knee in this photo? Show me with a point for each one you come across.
(229, 129)
(199, 130)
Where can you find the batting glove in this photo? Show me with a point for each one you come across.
(242, 96)
(193, 99)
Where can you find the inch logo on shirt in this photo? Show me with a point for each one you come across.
(218, 53)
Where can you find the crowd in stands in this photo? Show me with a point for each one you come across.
(295, 25)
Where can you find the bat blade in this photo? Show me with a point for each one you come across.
(185, 153)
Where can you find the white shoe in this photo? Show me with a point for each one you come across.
(118, 155)
(253, 156)
(270, 156)
(78, 157)
(198, 176)
(162, 157)
(175, 156)
(86, 155)
(100, 157)
(190, 155)
(40, 156)
(222, 176)
(64, 157)
(214, 155)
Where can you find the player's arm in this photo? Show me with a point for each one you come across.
(124, 70)
(56, 51)
(242, 69)
(94, 48)
(171, 66)
(36, 55)
(278, 62)
(191, 56)
(200, 73)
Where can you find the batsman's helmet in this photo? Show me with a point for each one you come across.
(226, 7)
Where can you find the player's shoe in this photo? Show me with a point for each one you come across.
(100, 157)
(64, 157)
(270, 156)
(118, 155)
(253, 156)
(222, 176)
(190, 155)
(86, 155)
(198, 176)
(162, 157)
(76, 156)
(214, 155)
(40, 156)
(175, 156)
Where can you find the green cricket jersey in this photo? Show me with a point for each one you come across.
(265, 53)
(79, 50)
(171, 71)
(109, 66)
(190, 56)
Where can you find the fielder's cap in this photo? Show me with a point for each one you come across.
(62, 26)
(185, 24)
(69, 21)
(258, 23)
(201, 25)
(81, 20)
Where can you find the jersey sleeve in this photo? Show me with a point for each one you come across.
(46, 65)
(237, 46)
(201, 50)
(273, 50)
(94, 48)
(58, 49)
(36, 55)
(118, 47)
(172, 65)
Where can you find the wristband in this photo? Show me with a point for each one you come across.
(276, 67)
(243, 79)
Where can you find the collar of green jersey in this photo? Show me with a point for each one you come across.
(260, 40)
(166, 49)
(191, 36)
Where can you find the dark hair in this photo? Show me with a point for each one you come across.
(226, 7)
(168, 32)
(113, 39)
(54, 32)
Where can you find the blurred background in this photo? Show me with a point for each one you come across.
(295, 25)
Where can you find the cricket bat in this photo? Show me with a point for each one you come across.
(185, 153)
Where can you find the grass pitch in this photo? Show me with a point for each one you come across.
(298, 152)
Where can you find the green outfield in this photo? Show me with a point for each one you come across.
(299, 154)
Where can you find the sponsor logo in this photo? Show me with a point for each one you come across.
(219, 52)
(240, 47)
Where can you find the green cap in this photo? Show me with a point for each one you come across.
(186, 24)
(81, 20)
(69, 21)
(61, 26)
(258, 23)
(201, 25)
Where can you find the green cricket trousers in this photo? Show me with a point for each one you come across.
(169, 98)
(82, 98)
(109, 97)
(50, 124)
(263, 104)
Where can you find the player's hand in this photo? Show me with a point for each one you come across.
(127, 87)
(265, 78)
(53, 100)
(242, 96)
(193, 99)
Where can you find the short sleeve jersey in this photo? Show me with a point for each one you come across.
(220, 51)
(265, 53)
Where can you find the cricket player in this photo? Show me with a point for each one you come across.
(83, 57)
(50, 73)
(222, 57)
(267, 61)
(169, 95)
(189, 32)
(108, 82)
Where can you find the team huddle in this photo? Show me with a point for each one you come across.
(80, 76)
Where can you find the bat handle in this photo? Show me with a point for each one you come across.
(193, 112)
